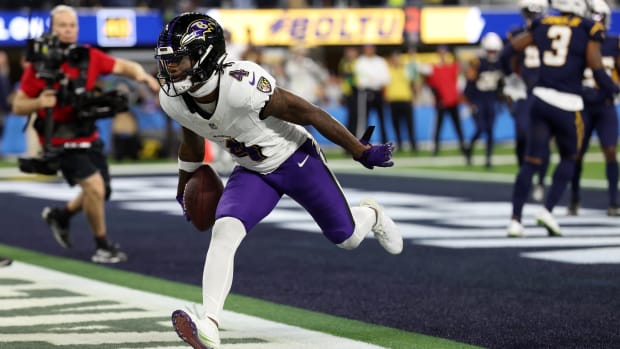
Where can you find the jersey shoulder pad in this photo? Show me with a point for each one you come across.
(595, 29)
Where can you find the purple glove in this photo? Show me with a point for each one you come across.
(377, 155)
(180, 201)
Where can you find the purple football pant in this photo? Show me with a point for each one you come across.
(250, 196)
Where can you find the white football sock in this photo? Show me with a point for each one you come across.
(365, 218)
(217, 275)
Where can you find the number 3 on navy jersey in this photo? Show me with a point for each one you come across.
(560, 39)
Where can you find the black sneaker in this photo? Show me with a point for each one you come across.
(613, 211)
(59, 224)
(109, 254)
(5, 262)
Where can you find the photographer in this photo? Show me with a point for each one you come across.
(71, 143)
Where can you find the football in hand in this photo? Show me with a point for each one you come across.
(201, 195)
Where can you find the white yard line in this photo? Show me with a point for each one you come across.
(78, 324)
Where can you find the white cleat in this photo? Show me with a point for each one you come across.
(515, 229)
(385, 229)
(545, 218)
(200, 334)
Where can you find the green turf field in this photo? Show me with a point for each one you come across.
(594, 167)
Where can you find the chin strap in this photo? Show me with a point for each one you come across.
(192, 106)
(179, 87)
(211, 84)
(208, 87)
(188, 97)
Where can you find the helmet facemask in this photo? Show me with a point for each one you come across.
(177, 82)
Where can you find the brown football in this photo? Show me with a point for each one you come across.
(201, 195)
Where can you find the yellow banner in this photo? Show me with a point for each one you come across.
(450, 25)
(314, 26)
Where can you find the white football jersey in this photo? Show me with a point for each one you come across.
(235, 125)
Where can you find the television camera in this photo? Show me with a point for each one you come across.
(48, 54)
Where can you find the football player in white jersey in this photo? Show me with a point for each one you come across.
(237, 105)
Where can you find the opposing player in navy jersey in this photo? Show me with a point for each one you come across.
(600, 115)
(238, 105)
(521, 73)
(484, 75)
(567, 44)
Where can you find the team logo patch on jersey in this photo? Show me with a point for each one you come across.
(263, 85)
(213, 126)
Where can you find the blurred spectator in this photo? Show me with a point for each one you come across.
(125, 135)
(243, 4)
(371, 76)
(306, 77)
(5, 87)
(119, 3)
(442, 79)
(297, 3)
(399, 94)
(371, 3)
(252, 52)
(233, 49)
(484, 75)
(332, 95)
(277, 70)
(346, 72)
(187, 5)
(268, 4)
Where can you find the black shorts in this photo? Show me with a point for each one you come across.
(79, 164)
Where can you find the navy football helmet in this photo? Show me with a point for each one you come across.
(195, 36)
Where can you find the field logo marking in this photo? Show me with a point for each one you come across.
(440, 221)
(41, 308)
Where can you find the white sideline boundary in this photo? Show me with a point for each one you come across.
(347, 166)
(127, 304)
